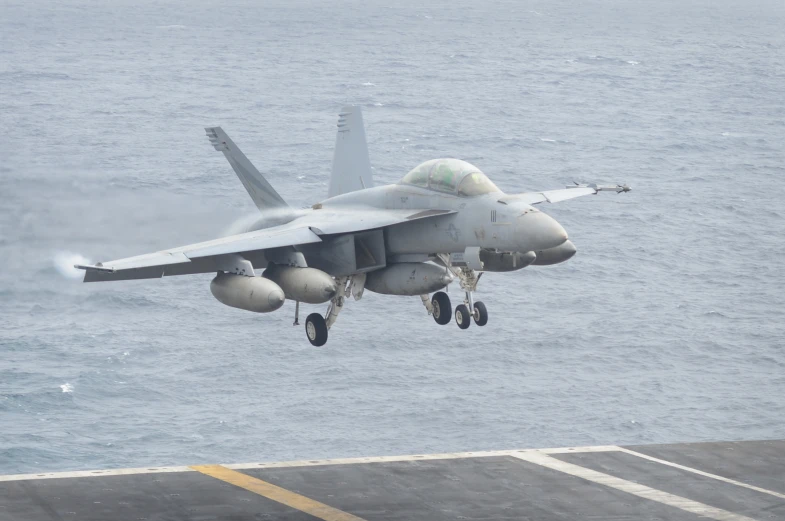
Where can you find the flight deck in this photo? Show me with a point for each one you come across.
(733, 481)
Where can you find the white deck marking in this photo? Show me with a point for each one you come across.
(702, 473)
(93, 473)
(417, 457)
(304, 463)
(631, 487)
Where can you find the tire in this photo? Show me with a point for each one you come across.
(480, 314)
(462, 316)
(316, 329)
(442, 308)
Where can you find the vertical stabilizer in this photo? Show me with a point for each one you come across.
(263, 194)
(351, 164)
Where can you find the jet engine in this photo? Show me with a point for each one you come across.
(505, 261)
(560, 253)
(307, 285)
(255, 294)
(408, 278)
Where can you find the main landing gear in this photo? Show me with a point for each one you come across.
(440, 308)
(316, 325)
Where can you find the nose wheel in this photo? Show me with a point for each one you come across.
(462, 316)
(480, 314)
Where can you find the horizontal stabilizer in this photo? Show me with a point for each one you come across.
(263, 194)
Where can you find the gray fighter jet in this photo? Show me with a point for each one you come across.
(444, 220)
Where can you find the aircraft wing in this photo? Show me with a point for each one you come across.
(202, 257)
(555, 196)
(236, 253)
(357, 219)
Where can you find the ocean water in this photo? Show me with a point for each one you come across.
(668, 325)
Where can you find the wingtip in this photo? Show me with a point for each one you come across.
(96, 267)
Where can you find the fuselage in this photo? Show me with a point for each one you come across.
(480, 221)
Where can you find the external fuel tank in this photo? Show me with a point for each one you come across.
(255, 294)
(307, 285)
(408, 278)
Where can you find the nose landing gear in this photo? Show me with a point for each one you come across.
(440, 308)
(462, 316)
(480, 314)
(469, 279)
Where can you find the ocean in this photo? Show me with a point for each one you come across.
(668, 325)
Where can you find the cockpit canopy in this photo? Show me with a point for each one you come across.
(452, 176)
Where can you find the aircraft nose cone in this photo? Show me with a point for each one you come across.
(539, 231)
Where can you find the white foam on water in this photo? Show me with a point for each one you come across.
(67, 388)
(64, 264)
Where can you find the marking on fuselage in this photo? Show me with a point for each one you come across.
(630, 487)
(453, 232)
(276, 493)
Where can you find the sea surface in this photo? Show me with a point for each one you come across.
(668, 325)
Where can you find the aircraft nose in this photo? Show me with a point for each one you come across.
(539, 231)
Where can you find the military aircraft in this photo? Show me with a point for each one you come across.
(444, 220)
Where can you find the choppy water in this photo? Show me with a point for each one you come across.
(667, 326)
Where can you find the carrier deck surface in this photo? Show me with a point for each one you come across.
(723, 481)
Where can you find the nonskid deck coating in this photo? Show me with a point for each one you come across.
(734, 481)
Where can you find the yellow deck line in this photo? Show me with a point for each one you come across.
(276, 493)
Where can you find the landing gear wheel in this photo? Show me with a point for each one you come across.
(480, 314)
(316, 329)
(462, 316)
(442, 309)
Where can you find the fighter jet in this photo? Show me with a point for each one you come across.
(444, 220)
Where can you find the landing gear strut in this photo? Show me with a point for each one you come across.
(463, 316)
(316, 326)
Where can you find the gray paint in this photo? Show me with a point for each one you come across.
(556, 255)
(307, 285)
(408, 278)
(256, 294)
(442, 207)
